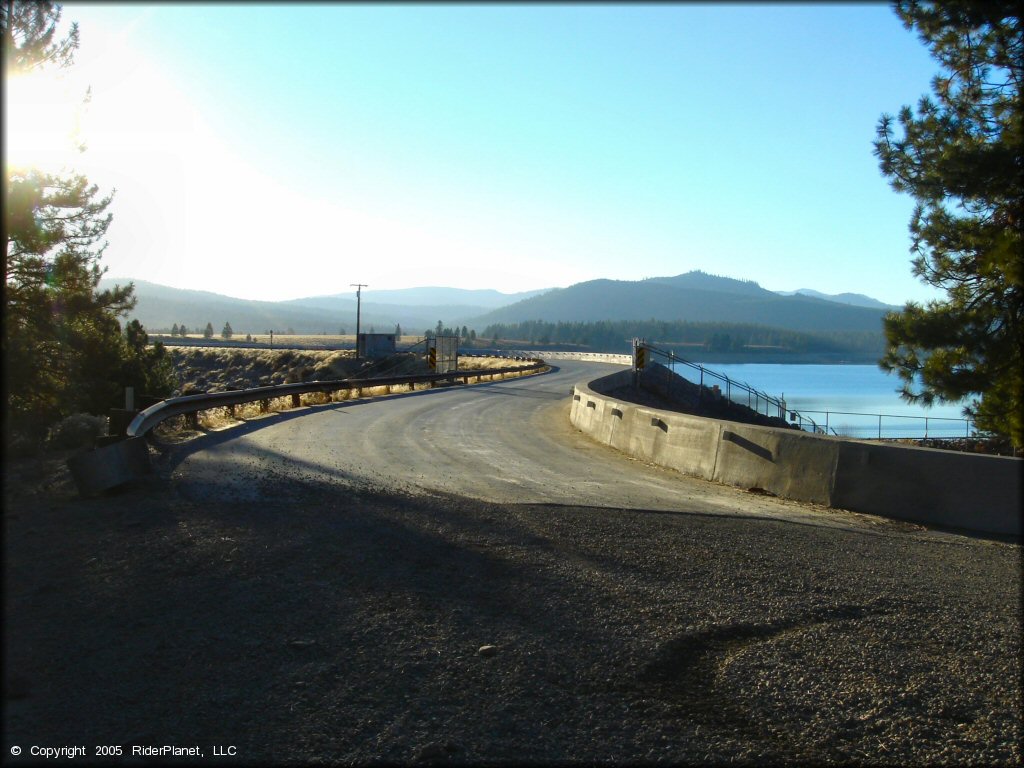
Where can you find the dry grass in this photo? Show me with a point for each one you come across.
(215, 369)
(218, 369)
(486, 363)
(304, 339)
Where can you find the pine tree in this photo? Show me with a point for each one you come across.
(174, 330)
(208, 331)
(62, 344)
(226, 333)
(959, 156)
(146, 368)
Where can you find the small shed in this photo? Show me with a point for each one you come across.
(375, 345)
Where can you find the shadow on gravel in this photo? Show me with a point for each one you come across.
(885, 531)
(344, 625)
(684, 667)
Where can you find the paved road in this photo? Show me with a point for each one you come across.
(506, 442)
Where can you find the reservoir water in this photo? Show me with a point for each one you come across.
(830, 393)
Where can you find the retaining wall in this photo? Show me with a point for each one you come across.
(925, 485)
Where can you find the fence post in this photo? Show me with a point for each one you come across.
(672, 368)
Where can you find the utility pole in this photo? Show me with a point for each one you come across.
(359, 288)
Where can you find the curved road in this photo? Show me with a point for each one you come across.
(508, 442)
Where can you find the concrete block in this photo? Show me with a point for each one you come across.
(107, 467)
(691, 445)
(788, 463)
(926, 485)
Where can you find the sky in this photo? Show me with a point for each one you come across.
(275, 151)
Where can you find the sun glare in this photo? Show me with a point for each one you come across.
(42, 111)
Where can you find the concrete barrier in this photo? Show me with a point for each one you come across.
(109, 466)
(925, 485)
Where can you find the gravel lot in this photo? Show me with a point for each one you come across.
(359, 625)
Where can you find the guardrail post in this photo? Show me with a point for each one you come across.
(296, 400)
(264, 405)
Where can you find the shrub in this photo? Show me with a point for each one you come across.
(79, 430)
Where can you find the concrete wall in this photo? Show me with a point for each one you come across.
(980, 493)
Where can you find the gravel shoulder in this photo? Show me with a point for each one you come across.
(339, 620)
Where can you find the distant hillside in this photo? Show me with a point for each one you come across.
(160, 307)
(702, 281)
(480, 299)
(855, 299)
(692, 297)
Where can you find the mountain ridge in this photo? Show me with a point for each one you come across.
(693, 296)
(854, 299)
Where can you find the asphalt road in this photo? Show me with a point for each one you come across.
(505, 442)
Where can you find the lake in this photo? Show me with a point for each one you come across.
(829, 392)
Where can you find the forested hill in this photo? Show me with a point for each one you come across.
(692, 297)
(727, 342)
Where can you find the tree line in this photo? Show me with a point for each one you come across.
(466, 334)
(66, 347)
(616, 336)
(182, 330)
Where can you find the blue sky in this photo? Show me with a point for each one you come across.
(275, 151)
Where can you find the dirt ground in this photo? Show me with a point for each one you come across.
(321, 626)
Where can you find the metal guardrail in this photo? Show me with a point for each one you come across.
(177, 406)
